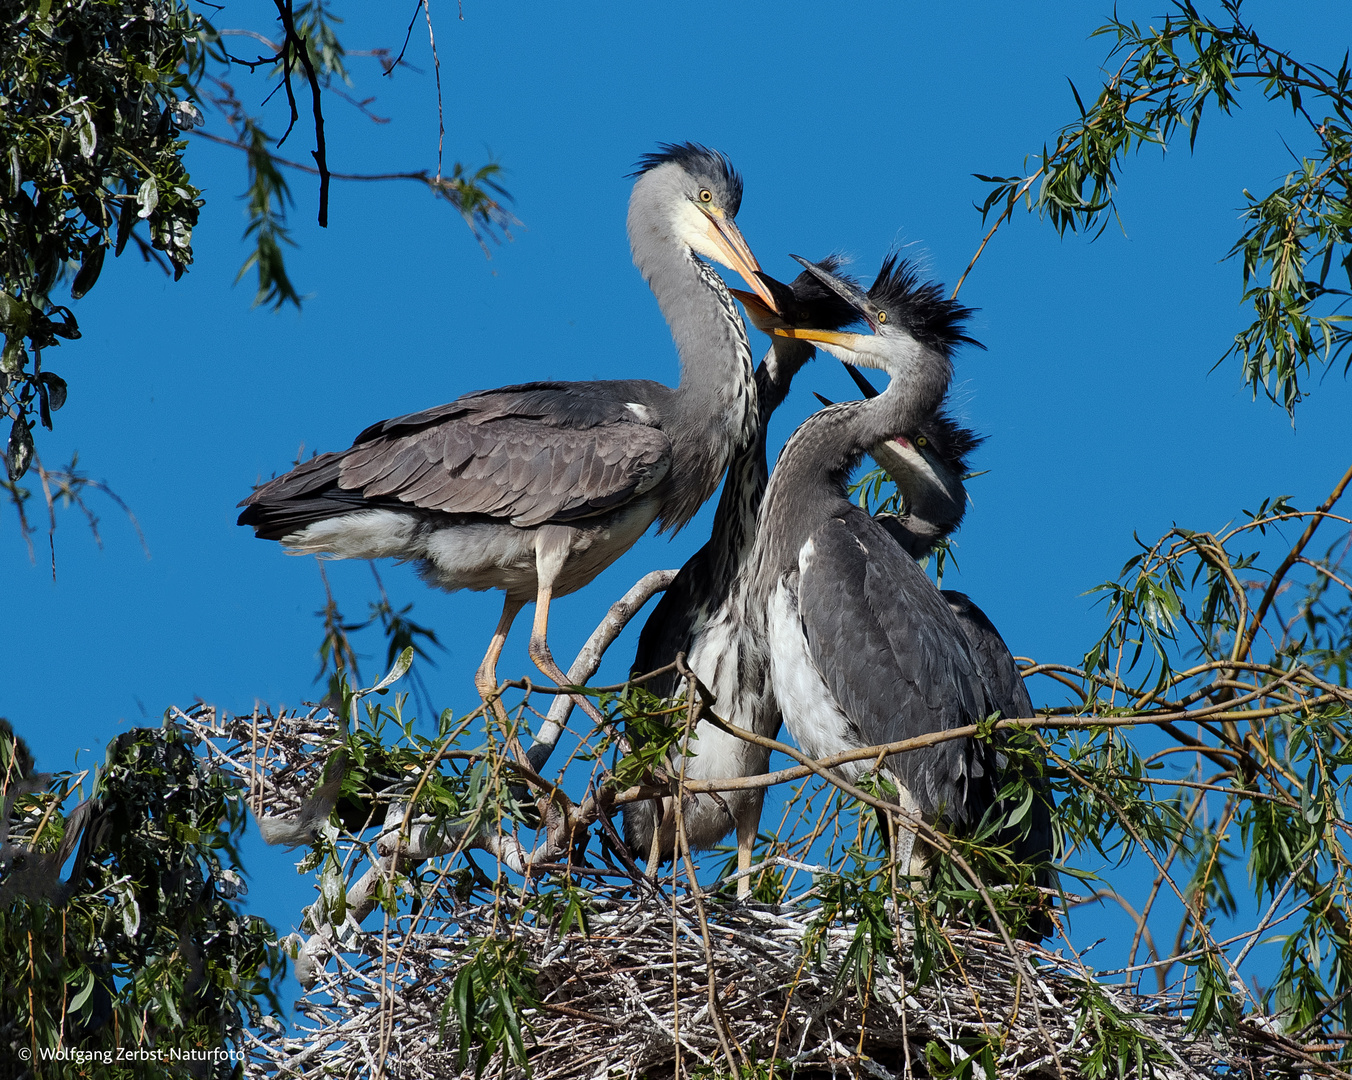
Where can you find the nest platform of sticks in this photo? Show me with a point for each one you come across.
(635, 997)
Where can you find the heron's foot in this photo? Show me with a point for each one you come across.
(486, 683)
(544, 660)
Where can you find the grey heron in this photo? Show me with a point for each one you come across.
(862, 648)
(535, 489)
(928, 468)
(695, 616)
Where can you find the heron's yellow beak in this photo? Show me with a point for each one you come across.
(751, 301)
(761, 316)
(826, 337)
(727, 239)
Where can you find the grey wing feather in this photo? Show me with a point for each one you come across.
(531, 454)
(1004, 686)
(895, 659)
(1007, 692)
(511, 468)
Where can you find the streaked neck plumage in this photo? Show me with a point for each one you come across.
(716, 398)
(734, 524)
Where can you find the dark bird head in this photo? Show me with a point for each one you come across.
(928, 464)
(903, 312)
(804, 302)
(688, 194)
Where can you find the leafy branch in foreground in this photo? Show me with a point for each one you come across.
(1298, 235)
(1248, 776)
(120, 930)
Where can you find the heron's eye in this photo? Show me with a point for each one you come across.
(705, 195)
(882, 316)
(921, 441)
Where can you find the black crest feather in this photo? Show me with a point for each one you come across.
(921, 307)
(698, 160)
(817, 306)
(950, 441)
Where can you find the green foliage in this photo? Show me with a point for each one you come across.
(975, 1057)
(1163, 81)
(1117, 1048)
(141, 944)
(93, 100)
(655, 729)
(493, 986)
(268, 197)
(858, 897)
(565, 907)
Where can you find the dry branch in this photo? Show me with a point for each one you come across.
(606, 1006)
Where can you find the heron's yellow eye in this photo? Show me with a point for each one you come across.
(706, 195)
(921, 441)
(882, 316)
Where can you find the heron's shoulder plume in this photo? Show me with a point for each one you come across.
(698, 160)
(818, 306)
(932, 318)
(951, 441)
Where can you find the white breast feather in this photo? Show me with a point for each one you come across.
(642, 413)
(809, 708)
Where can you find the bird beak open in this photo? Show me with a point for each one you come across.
(727, 239)
(856, 298)
(766, 318)
(755, 306)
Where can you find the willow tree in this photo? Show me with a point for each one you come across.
(97, 102)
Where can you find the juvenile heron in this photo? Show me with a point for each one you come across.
(535, 489)
(695, 615)
(928, 469)
(862, 648)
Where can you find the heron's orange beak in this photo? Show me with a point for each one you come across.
(828, 337)
(755, 306)
(749, 299)
(727, 238)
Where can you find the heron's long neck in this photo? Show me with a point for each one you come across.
(734, 525)
(810, 478)
(716, 400)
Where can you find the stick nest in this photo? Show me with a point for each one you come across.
(632, 995)
(610, 1006)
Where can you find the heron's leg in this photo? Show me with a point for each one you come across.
(552, 547)
(909, 857)
(486, 678)
(748, 827)
(659, 813)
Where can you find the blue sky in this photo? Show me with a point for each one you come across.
(857, 129)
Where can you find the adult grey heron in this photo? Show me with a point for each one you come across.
(694, 615)
(535, 489)
(862, 648)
